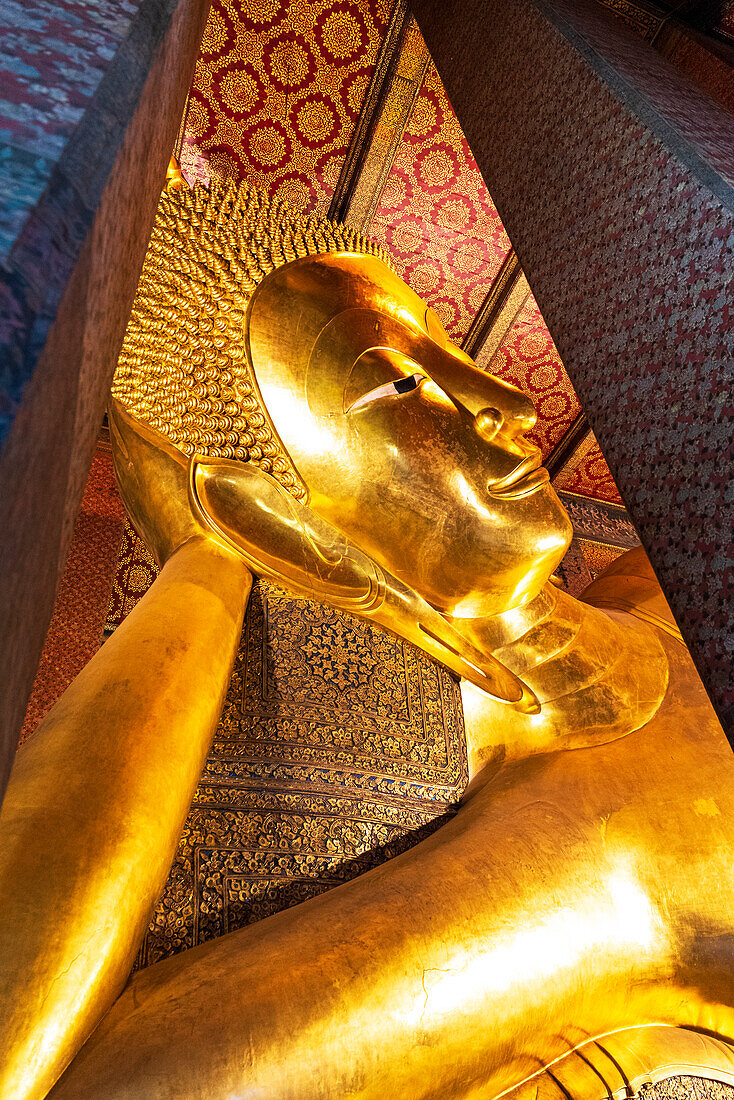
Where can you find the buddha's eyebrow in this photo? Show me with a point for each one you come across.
(389, 389)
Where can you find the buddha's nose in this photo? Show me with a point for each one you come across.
(497, 407)
(509, 412)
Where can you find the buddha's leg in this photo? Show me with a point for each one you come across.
(566, 899)
(95, 807)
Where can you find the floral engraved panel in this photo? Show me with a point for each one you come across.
(339, 746)
(337, 664)
(135, 573)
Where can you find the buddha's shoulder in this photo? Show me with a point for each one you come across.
(629, 584)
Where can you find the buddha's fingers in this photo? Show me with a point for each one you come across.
(95, 807)
(624, 1062)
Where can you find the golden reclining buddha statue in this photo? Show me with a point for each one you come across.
(286, 407)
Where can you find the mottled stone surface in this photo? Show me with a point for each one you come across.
(613, 176)
(53, 57)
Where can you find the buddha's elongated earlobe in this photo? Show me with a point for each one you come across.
(152, 479)
(286, 542)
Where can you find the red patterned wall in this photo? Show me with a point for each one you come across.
(438, 221)
(529, 359)
(588, 474)
(592, 478)
(435, 216)
(277, 91)
(81, 605)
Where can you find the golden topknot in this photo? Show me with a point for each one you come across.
(183, 368)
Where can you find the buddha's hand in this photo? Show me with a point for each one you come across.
(153, 479)
(171, 499)
(287, 542)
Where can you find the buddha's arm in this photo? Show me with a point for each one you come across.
(567, 898)
(95, 807)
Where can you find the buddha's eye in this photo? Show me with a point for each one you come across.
(389, 389)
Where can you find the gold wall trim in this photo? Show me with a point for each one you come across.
(395, 83)
(637, 16)
(504, 300)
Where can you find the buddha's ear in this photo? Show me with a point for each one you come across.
(152, 476)
(286, 542)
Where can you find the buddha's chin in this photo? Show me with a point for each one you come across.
(511, 585)
(489, 605)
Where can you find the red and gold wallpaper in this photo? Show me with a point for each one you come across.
(277, 91)
(76, 627)
(438, 221)
(528, 358)
(588, 474)
(435, 216)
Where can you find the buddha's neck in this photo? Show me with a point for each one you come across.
(597, 675)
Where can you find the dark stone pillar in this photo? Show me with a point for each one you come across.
(92, 98)
(614, 178)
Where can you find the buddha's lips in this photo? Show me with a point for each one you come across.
(528, 476)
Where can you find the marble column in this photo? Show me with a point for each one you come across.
(90, 102)
(613, 176)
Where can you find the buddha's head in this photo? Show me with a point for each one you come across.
(292, 344)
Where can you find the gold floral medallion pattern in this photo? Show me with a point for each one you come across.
(587, 473)
(134, 575)
(277, 92)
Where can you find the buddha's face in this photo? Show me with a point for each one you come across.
(415, 454)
